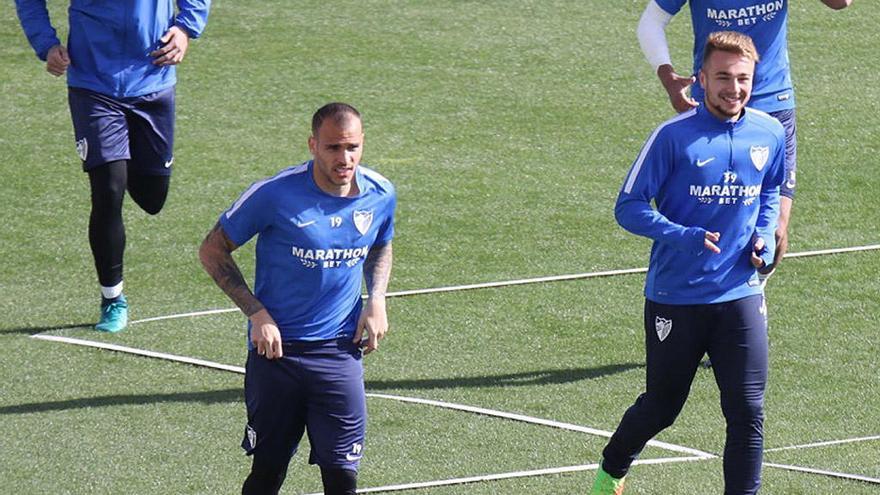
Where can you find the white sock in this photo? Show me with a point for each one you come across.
(112, 292)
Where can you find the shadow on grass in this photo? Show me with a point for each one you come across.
(48, 328)
(208, 397)
(529, 378)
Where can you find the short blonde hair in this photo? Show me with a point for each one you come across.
(732, 42)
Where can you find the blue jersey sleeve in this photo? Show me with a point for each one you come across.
(193, 16)
(386, 230)
(768, 213)
(633, 210)
(249, 215)
(35, 23)
(670, 6)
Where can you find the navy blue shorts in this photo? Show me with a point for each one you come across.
(317, 387)
(789, 122)
(139, 129)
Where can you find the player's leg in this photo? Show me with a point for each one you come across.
(789, 122)
(276, 420)
(337, 414)
(739, 353)
(674, 344)
(151, 128)
(101, 137)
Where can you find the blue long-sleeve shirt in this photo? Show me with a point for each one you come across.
(705, 175)
(110, 40)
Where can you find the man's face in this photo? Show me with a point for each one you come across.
(337, 149)
(727, 79)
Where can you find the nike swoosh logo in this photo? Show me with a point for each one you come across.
(352, 458)
(701, 163)
(168, 163)
(305, 224)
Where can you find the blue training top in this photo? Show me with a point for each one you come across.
(766, 22)
(705, 174)
(110, 41)
(311, 247)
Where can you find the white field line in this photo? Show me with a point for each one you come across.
(539, 421)
(699, 455)
(833, 474)
(140, 352)
(823, 444)
(515, 474)
(524, 281)
(446, 405)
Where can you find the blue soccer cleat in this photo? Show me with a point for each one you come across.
(114, 315)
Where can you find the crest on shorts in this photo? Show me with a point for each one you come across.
(82, 149)
(362, 220)
(759, 155)
(251, 436)
(663, 327)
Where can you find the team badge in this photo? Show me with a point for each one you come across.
(663, 327)
(759, 155)
(82, 149)
(251, 436)
(362, 220)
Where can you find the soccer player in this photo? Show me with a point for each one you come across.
(323, 227)
(120, 62)
(766, 22)
(714, 173)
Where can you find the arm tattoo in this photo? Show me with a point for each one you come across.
(377, 270)
(216, 257)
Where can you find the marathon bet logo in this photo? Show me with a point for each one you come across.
(329, 258)
(745, 16)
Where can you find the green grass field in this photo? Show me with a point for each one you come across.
(508, 128)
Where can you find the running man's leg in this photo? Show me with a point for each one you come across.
(101, 135)
(337, 414)
(674, 343)
(739, 351)
(151, 127)
(276, 404)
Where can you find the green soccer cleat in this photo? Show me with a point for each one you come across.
(606, 484)
(114, 315)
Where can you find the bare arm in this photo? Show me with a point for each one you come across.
(216, 256)
(651, 33)
(374, 318)
(837, 4)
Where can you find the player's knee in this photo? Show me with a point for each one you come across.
(747, 413)
(149, 192)
(152, 206)
(264, 479)
(339, 481)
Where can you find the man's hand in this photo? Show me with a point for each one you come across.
(174, 45)
(373, 321)
(710, 240)
(757, 249)
(265, 335)
(676, 86)
(57, 60)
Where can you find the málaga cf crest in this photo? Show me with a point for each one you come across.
(759, 155)
(663, 327)
(362, 220)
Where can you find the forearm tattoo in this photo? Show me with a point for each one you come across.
(216, 256)
(377, 270)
